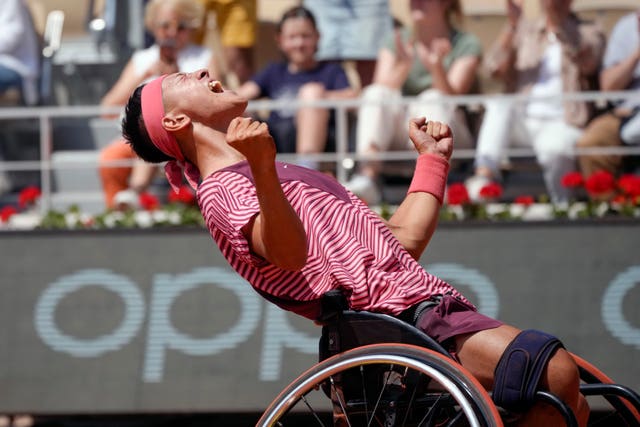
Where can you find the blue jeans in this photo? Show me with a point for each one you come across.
(9, 79)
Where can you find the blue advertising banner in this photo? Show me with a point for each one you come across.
(140, 321)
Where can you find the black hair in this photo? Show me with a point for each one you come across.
(135, 133)
(297, 12)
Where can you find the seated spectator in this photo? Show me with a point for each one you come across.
(19, 52)
(555, 54)
(236, 22)
(19, 64)
(352, 30)
(300, 77)
(172, 23)
(620, 125)
(432, 60)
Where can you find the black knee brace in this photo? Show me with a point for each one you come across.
(519, 370)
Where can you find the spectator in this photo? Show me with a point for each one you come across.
(555, 54)
(172, 23)
(236, 21)
(19, 52)
(620, 125)
(300, 76)
(432, 60)
(352, 30)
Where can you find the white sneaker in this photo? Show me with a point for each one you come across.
(365, 188)
(474, 184)
(127, 199)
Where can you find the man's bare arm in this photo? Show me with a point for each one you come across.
(416, 218)
(276, 233)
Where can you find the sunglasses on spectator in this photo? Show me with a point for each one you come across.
(180, 26)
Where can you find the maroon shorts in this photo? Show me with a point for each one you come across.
(452, 317)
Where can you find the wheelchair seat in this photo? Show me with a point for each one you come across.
(350, 329)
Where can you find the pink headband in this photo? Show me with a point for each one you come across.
(152, 114)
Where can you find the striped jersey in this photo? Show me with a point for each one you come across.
(350, 248)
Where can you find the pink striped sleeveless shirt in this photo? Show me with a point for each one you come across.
(349, 246)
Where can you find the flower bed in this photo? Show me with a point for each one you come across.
(597, 196)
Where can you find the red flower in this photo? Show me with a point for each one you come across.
(524, 200)
(28, 196)
(491, 191)
(619, 199)
(600, 183)
(148, 201)
(572, 180)
(184, 195)
(630, 185)
(457, 194)
(7, 212)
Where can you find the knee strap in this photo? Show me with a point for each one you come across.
(519, 370)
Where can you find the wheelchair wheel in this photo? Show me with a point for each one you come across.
(384, 385)
(623, 403)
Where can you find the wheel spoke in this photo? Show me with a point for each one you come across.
(429, 413)
(336, 392)
(382, 389)
(364, 393)
(312, 411)
(411, 400)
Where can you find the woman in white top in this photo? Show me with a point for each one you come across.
(19, 56)
(172, 23)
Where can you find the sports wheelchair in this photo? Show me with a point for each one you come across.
(376, 370)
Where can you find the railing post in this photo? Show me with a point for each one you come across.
(45, 162)
(342, 142)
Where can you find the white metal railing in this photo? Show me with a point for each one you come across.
(343, 158)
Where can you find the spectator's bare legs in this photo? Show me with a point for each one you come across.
(142, 175)
(365, 70)
(311, 122)
(114, 178)
(480, 352)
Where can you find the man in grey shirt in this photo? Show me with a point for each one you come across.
(620, 72)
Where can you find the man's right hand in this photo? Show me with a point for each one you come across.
(252, 139)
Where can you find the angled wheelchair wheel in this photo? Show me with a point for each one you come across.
(384, 385)
(622, 403)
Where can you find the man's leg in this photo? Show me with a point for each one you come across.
(380, 126)
(493, 138)
(603, 131)
(501, 128)
(480, 353)
(554, 142)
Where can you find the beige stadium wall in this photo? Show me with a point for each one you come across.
(270, 10)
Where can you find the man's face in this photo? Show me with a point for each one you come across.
(421, 9)
(556, 7)
(170, 30)
(201, 98)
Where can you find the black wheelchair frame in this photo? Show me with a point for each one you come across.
(375, 369)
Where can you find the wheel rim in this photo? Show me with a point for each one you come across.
(299, 390)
